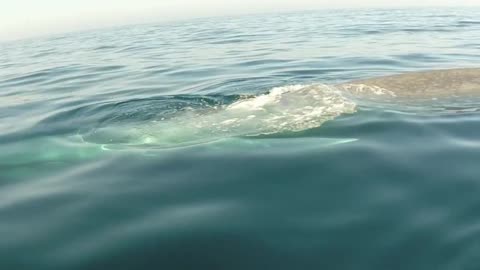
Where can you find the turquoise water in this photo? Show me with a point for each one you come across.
(220, 144)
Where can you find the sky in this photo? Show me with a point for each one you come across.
(29, 18)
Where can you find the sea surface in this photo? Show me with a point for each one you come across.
(222, 143)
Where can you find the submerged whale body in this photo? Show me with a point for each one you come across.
(288, 109)
(292, 108)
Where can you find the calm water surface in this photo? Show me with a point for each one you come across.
(217, 144)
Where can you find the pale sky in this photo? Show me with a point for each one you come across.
(28, 18)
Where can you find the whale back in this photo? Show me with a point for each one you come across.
(426, 84)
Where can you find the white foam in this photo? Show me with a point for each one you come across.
(288, 108)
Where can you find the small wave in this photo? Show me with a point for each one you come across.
(105, 47)
(468, 22)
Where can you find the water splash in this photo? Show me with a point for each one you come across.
(283, 109)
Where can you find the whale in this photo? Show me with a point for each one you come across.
(236, 124)
(426, 84)
(293, 108)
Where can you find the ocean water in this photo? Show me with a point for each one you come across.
(222, 143)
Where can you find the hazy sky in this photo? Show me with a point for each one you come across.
(25, 18)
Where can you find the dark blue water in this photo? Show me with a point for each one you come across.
(219, 144)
